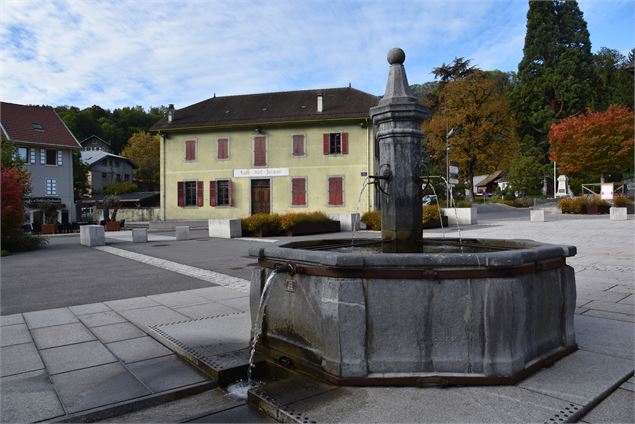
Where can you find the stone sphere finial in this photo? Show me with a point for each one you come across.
(396, 56)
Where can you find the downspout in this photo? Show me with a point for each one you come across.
(163, 185)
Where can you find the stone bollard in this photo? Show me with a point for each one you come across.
(92, 235)
(183, 233)
(537, 215)
(348, 221)
(618, 214)
(224, 228)
(139, 235)
(464, 216)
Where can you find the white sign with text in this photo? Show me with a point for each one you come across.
(261, 172)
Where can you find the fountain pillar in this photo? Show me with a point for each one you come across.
(397, 119)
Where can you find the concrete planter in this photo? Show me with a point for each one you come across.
(306, 228)
(435, 223)
(92, 235)
(537, 215)
(224, 228)
(462, 216)
(595, 209)
(618, 214)
(113, 225)
(49, 228)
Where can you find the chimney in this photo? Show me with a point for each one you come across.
(170, 113)
(320, 100)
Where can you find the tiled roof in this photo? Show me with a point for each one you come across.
(96, 138)
(91, 157)
(267, 108)
(35, 125)
(490, 178)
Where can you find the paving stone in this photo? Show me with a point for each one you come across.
(49, 317)
(610, 315)
(610, 337)
(166, 373)
(627, 386)
(600, 295)
(73, 357)
(616, 408)
(91, 308)
(180, 410)
(579, 377)
(11, 319)
(60, 335)
(97, 386)
(178, 299)
(101, 318)
(142, 348)
(28, 397)
(218, 293)
(153, 316)
(206, 310)
(14, 334)
(241, 304)
(20, 358)
(132, 303)
(239, 414)
(629, 300)
(611, 307)
(115, 332)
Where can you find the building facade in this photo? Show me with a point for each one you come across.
(107, 169)
(94, 143)
(45, 145)
(231, 157)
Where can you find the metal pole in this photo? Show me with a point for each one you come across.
(554, 180)
(447, 166)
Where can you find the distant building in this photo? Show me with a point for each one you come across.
(45, 145)
(94, 143)
(491, 182)
(107, 169)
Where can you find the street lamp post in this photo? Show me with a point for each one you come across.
(448, 134)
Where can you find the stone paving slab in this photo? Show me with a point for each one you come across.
(73, 357)
(165, 373)
(101, 318)
(154, 315)
(60, 335)
(218, 293)
(91, 308)
(11, 319)
(50, 317)
(19, 358)
(97, 386)
(177, 299)
(239, 414)
(611, 307)
(117, 332)
(608, 315)
(131, 303)
(616, 408)
(240, 303)
(605, 336)
(14, 334)
(140, 349)
(207, 310)
(28, 397)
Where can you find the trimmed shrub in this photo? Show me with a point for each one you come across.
(579, 204)
(261, 224)
(372, 220)
(430, 213)
(566, 205)
(622, 201)
(597, 201)
(290, 220)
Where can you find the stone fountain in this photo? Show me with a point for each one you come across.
(405, 310)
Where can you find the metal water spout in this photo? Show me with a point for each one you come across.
(397, 119)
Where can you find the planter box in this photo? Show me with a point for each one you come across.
(92, 235)
(435, 223)
(537, 215)
(305, 228)
(224, 228)
(113, 225)
(49, 228)
(595, 209)
(464, 216)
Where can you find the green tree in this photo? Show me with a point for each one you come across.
(615, 85)
(556, 76)
(80, 177)
(143, 150)
(526, 174)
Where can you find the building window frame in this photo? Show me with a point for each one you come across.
(296, 151)
(51, 186)
(219, 149)
(190, 148)
(266, 153)
(299, 199)
(51, 157)
(190, 195)
(332, 199)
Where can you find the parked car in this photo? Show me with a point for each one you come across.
(430, 199)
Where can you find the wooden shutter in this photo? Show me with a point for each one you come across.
(335, 191)
(260, 151)
(344, 143)
(230, 192)
(223, 148)
(298, 191)
(212, 193)
(43, 156)
(199, 193)
(325, 143)
(298, 145)
(32, 154)
(180, 193)
(59, 158)
(190, 150)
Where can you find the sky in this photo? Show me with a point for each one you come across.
(155, 52)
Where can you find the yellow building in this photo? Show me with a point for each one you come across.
(230, 157)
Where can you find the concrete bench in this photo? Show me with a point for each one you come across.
(618, 214)
(537, 215)
(139, 235)
(225, 228)
(183, 233)
(92, 235)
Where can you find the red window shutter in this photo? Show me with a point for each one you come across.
(223, 150)
(325, 144)
(190, 150)
(298, 191)
(335, 191)
(298, 145)
(230, 190)
(180, 193)
(344, 143)
(212, 193)
(199, 193)
(260, 151)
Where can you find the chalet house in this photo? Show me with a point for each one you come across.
(297, 151)
(45, 145)
(107, 169)
(94, 143)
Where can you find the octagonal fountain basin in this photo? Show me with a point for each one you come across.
(475, 311)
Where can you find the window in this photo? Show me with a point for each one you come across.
(220, 193)
(126, 177)
(298, 191)
(260, 151)
(222, 148)
(335, 143)
(118, 178)
(190, 193)
(23, 154)
(336, 191)
(37, 127)
(298, 145)
(190, 150)
(51, 157)
(51, 187)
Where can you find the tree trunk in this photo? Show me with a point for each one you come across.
(470, 182)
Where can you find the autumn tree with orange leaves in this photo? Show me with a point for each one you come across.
(594, 144)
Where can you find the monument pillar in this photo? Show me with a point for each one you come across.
(397, 119)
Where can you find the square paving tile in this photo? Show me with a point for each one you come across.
(11, 319)
(91, 308)
(60, 335)
(116, 332)
(142, 348)
(166, 373)
(604, 336)
(184, 298)
(153, 316)
(206, 310)
(97, 386)
(49, 317)
(14, 334)
(19, 358)
(73, 357)
(131, 303)
(28, 397)
(619, 308)
(241, 303)
(616, 408)
(218, 293)
(101, 318)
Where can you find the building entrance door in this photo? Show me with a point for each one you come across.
(260, 196)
